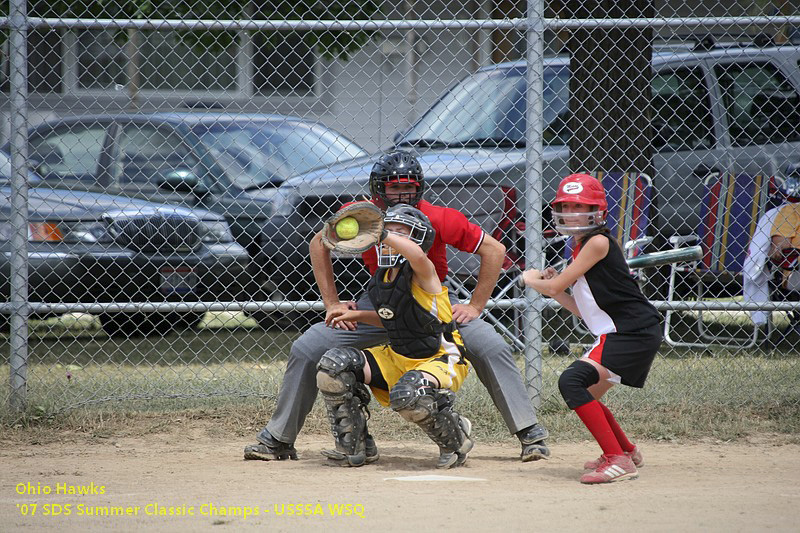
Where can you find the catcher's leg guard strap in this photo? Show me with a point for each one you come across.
(346, 400)
(408, 390)
(432, 409)
(575, 381)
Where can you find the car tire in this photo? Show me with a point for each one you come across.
(145, 324)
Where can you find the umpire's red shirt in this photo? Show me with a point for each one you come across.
(452, 228)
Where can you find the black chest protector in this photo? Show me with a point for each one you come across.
(413, 331)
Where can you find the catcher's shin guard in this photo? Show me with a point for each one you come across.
(346, 401)
(432, 410)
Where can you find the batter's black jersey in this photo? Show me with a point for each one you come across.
(609, 298)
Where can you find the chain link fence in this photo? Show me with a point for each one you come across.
(166, 166)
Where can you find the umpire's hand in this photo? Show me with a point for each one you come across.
(463, 313)
(337, 310)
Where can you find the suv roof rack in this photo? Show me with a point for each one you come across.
(710, 41)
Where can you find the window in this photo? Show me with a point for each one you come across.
(762, 106)
(165, 62)
(44, 62)
(287, 66)
(147, 153)
(681, 110)
(72, 152)
(556, 107)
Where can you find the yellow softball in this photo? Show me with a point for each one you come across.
(347, 228)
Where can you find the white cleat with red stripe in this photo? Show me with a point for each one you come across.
(613, 468)
(635, 455)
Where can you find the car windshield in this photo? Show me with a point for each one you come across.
(5, 170)
(488, 109)
(262, 154)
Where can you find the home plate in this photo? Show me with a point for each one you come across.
(433, 477)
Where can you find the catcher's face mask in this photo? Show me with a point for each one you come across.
(388, 257)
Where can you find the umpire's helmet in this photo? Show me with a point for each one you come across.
(397, 167)
(422, 232)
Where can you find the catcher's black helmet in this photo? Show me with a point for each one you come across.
(422, 232)
(398, 167)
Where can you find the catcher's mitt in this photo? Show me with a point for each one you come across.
(370, 228)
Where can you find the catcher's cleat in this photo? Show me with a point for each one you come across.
(268, 448)
(371, 450)
(635, 455)
(448, 459)
(335, 457)
(369, 456)
(613, 468)
(533, 445)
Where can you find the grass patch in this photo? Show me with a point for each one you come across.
(761, 395)
(230, 371)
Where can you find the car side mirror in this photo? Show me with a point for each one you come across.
(182, 180)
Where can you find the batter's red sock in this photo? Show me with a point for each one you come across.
(626, 445)
(592, 416)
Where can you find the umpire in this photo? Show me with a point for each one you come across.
(397, 178)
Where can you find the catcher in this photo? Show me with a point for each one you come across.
(423, 365)
(397, 177)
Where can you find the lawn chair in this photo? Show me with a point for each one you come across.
(730, 210)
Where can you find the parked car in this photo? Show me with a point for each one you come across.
(88, 247)
(722, 110)
(728, 109)
(226, 163)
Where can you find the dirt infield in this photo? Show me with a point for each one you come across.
(747, 486)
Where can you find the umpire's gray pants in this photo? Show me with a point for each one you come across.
(488, 352)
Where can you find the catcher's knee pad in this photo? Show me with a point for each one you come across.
(346, 400)
(413, 396)
(575, 381)
(338, 360)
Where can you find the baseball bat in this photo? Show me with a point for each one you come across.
(678, 255)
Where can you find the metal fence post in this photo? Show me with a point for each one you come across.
(19, 204)
(532, 317)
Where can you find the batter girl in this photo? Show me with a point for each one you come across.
(607, 298)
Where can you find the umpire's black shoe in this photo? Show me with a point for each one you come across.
(268, 448)
(533, 445)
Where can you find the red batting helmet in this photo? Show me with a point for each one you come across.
(580, 189)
